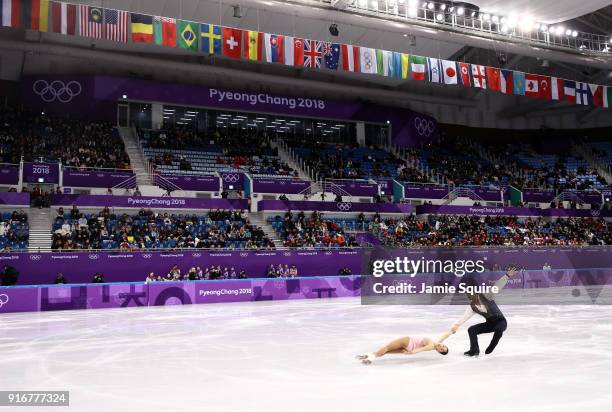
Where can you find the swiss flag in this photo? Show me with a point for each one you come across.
(494, 78)
(538, 86)
(464, 74)
(598, 95)
(232, 42)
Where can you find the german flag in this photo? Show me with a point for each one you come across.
(142, 28)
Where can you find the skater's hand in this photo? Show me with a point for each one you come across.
(511, 271)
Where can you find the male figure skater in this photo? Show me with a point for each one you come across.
(484, 304)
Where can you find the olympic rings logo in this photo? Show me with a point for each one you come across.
(35, 257)
(231, 178)
(93, 256)
(147, 255)
(196, 255)
(57, 90)
(3, 299)
(595, 212)
(287, 254)
(345, 207)
(244, 254)
(424, 127)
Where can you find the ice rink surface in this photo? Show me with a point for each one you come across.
(299, 356)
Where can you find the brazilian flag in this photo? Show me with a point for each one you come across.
(187, 35)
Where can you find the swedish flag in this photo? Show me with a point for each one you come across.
(211, 38)
(187, 34)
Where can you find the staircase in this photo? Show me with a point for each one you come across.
(258, 220)
(40, 230)
(583, 151)
(137, 159)
(284, 153)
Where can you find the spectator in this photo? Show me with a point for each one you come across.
(98, 278)
(60, 279)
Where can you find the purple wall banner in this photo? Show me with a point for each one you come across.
(233, 179)
(96, 178)
(14, 199)
(9, 174)
(79, 267)
(72, 297)
(350, 207)
(148, 202)
(490, 195)
(547, 196)
(509, 211)
(97, 96)
(195, 183)
(280, 185)
(48, 172)
(357, 187)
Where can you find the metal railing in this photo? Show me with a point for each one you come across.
(432, 14)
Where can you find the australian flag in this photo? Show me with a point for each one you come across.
(331, 55)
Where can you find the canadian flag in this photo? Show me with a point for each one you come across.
(350, 58)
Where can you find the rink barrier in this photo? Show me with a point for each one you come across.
(120, 295)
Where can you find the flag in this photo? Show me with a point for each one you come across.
(382, 63)
(493, 78)
(417, 67)
(569, 91)
(294, 51)
(274, 48)
(313, 53)
(506, 81)
(537, 86)
(597, 93)
(479, 77)
(583, 94)
(164, 29)
(331, 55)
(10, 13)
(142, 28)
(449, 72)
(116, 25)
(90, 21)
(518, 80)
(350, 58)
(35, 15)
(187, 35)
(608, 96)
(556, 88)
(367, 60)
(63, 18)
(210, 36)
(253, 45)
(464, 71)
(400, 65)
(434, 70)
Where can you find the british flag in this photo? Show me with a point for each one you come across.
(313, 53)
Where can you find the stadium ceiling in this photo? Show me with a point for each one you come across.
(546, 11)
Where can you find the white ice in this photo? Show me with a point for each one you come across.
(299, 356)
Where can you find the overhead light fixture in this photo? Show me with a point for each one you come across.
(430, 6)
(237, 12)
(574, 33)
(461, 11)
(439, 16)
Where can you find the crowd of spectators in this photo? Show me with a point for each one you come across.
(55, 138)
(14, 231)
(150, 230)
(449, 231)
(313, 232)
(347, 161)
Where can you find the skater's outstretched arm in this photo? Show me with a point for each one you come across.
(444, 336)
(501, 282)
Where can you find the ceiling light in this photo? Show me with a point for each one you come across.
(495, 19)
(412, 12)
(430, 6)
(487, 16)
(568, 32)
(460, 11)
(574, 33)
(559, 30)
(544, 27)
(439, 16)
(443, 7)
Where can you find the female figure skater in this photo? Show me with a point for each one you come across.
(408, 346)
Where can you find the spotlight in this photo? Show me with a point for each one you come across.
(443, 7)
(551, 30)
(461, 11)
(124, 96)
(544, 27)
(430, 6)
(574, 33)
(568, 32)
(333, 30)
(559, 31)
(495, 19)
(439, 16)
(487, 16)
(412, 12)
(452, 9)
(473, 14)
